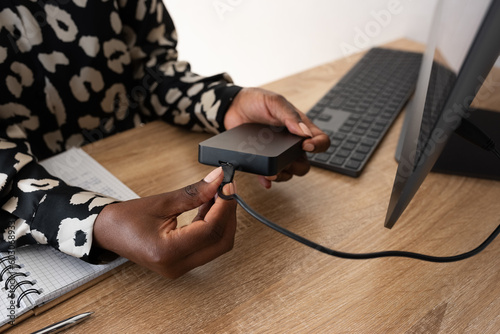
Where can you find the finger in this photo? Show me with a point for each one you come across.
(202, 210)
(317, 144)
(214, 235)
(298, 123)
(284, 175)
(319, 141)
(197, 236)
(194, 195)
(299, 167)
(285, 113)
(265, 182)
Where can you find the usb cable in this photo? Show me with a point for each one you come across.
(467, 130)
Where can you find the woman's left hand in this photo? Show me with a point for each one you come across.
(255, 105)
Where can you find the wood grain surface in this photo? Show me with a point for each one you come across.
(271, 284)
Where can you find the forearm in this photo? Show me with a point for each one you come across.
(36, 207)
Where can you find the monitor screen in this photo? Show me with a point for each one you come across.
(462, 48)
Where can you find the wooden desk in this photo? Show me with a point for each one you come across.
(271, 284)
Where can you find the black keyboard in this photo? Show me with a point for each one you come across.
(357, 112)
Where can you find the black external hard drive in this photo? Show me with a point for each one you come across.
(253, 148)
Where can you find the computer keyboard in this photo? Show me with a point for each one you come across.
(357, 112)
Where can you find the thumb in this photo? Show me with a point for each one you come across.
(287, 114)
(196, 194)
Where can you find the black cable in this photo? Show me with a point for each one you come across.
(496, 153)
(361, 256)
(228, 177)
(476, 136)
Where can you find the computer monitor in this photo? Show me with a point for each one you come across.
(462, 48)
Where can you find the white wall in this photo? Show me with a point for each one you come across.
(257, 41)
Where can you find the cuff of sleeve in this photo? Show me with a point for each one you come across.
(214, 101)
(226, 95)
(65, 217)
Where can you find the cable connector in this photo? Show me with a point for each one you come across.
(475, 135)
(228, 170)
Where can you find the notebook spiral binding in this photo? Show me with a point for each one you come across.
(12, 276)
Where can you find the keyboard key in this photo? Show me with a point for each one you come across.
(312, 114)
(322, 157)
(322, 103)
(339, 136)
(336, 161)
(353, 164)
(350, 106)
(373, 134)
(350, 122)
(335, 142)
(368, 142)
(348, 146)
(324, 117)
(353, 139)
(359, 132)
(337, 102)
(363, 149)
(358, 156)
(343, 153)
(331, 149)
(345, 128)
(386, 114)
(316, 109)
(364, 125)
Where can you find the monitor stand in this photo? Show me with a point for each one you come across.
(460, 157)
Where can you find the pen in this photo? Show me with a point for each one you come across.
(61, 325)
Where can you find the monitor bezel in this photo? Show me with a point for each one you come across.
(480, 58)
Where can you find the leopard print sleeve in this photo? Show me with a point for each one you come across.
(37, 207)
(165, 85)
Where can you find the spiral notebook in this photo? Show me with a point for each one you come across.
(39, 274)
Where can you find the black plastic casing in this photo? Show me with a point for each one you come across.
(252, 148)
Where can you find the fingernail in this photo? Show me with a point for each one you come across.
(305, 129)
(308, 147)
(213, 175)
(228, 189)
(271, 178)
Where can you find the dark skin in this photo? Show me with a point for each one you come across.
(145, 230)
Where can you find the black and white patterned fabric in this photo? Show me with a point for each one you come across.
(73, 72)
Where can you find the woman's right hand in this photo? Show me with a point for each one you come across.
(145, 230)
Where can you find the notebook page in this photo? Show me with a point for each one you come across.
(77, 168)
(57, 273)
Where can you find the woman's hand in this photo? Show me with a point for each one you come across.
(255, 105)
(144, 230)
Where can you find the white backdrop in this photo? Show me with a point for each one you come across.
(258, 41)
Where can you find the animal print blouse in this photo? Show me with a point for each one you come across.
(75, 71)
